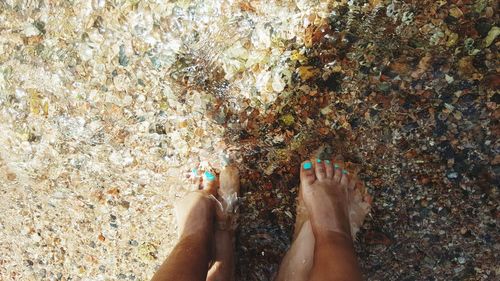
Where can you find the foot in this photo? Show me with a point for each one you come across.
(226, 222)
(334, 199)
(196, 211)
(213, 206)
(298, 261)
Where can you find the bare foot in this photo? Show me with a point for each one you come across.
(226, 222)
(195, 211)
(215, 204)
(298, 261)
(335, 200)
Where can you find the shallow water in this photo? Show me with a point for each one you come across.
(104, 104)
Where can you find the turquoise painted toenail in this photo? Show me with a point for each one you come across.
(327, 161)
(318, 160)
(345, 172)
(336, 166)
(209, 176)
(194, 171)
(308, 165)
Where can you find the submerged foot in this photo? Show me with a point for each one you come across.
(213, 206)
(196, 211)
(223, 267)
(335, 201)
(334, 204)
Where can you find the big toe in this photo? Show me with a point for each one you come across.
(307, 174)
(209, 183)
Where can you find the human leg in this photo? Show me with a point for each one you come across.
(190, 258)
(298, 262)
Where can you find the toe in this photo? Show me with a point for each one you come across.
(195, 177)
(337, 172)
(307, 175)
(345, 178)
(210, 182)
(329, 169)
(320, 169)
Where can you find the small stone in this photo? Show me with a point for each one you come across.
(42, 273)
(384, 87)
(11, 176)
(496, 160)
(307, 72)
(452, 39)
(101, 238)
(424, 203)
(125, 204)
(458, 269)
(122, 57)
(492, 35)
(461, 260)
(30, 30)
(452, 175)
(278, 84)
(483, 27)
(463, 230)
(326, 110)
(480, 5)
(489, 12)
(287, 119)
(456, 12)
(147, 252)
(449, 106)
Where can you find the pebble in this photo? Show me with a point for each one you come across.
(492, 35)
(461, 260)
(463, 230)
(456, 12)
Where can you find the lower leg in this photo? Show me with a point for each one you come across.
(298, 261)
(224, 261)
(189, 259)
(336, 202)
(334, 258)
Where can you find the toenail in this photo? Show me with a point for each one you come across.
(336, 166)
(318, 160)
(345, 172)
(327, 161)
(307, 165)
(209, 176)
(194, 171)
